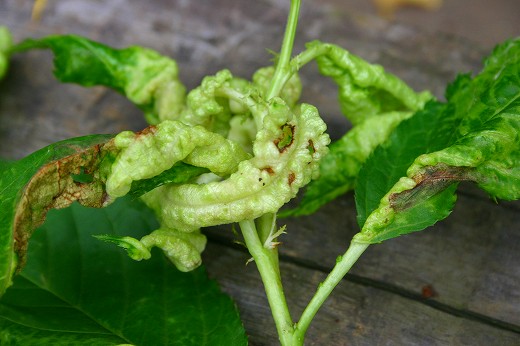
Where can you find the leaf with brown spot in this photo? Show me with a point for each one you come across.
(409, 182)
(286, 139)
(429, 183)
(44, 180)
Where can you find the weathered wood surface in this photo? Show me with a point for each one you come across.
(471, 260)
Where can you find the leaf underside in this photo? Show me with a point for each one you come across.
(41, 181)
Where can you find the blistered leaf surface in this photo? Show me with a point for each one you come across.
(375, 101)
(409, 183)
(366, 90)
(42, 181)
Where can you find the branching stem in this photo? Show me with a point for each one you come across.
(343, 265)
(267, 263)
(282, 65)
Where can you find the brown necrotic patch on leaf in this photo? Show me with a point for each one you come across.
(56, 185)
(311, 147)
(291, 178)
(150, 130)
(286, 138)
(430, 182)
(269, 170)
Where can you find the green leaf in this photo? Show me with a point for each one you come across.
(365, 90)
(375, 102)
(390, 161)
(77, 290)
(44, 180)
(179, 173)
(147, 78)
(339, 169)
(260, 185)
(54, 177)
(409, 182)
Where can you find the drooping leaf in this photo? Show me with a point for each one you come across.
(53, 177)
(39, 182)
(77, 290)
(375, 101)
(365, 90)
(147, 78)
(409, 182)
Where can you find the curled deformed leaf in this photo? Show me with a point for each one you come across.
(286, 152)
(375, 102)
(183, 249)
(208, 106)
(365, 89)
(474, 137)
(147, 78)
(53, 178)
(47, 179)
(148, 153)
(339, 169)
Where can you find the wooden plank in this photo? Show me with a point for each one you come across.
(470, 260)
(353, 315)
(474, 249)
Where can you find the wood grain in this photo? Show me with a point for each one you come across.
(467, 264)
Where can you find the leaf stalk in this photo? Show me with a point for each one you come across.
(282, 67)
(343, 265)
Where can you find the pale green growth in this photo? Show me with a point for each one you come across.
(203, 107)
(6, 41)
(219, 101)
(135, 249)
(182, 249)
(153, 80)
(147, 154)
(261, 184)
(365, 89)
(291, 91)
(242, 130)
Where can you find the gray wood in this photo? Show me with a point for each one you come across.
(470, 260)
(353, 315)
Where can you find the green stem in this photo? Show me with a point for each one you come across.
(267, 263)
(285, 72)
(343, 265)
(282, 66)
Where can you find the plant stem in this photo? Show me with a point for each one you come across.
(267, 263)
(282, 66)
(343, 265)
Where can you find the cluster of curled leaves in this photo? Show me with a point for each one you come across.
(224, 153)
(221, 153)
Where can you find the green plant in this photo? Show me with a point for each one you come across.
(233, 150)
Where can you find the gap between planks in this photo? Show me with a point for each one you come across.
(383, 286)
